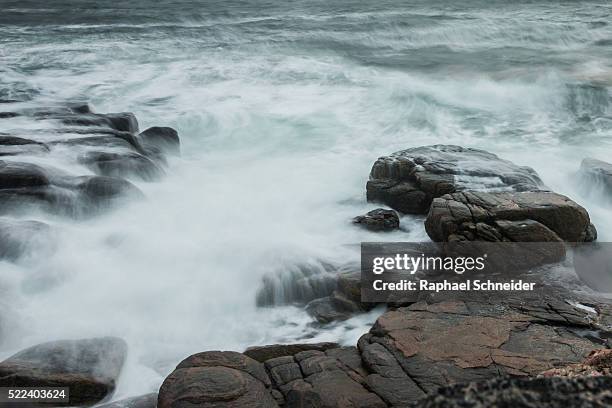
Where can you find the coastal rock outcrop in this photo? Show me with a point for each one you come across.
(310, 378)
(410, 179)
(215, 378)
(439, 342)
(508, 216)
(89, 367)
(106, 144)
(419, 355)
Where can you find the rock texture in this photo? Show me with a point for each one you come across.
(217, 379)
(263, 353)
(511, 217)
(310, 378)
(89, 367)
(454, 341)
(598, 363)
(409, 180)
(592, 392)
(378, 220)
(419, 354)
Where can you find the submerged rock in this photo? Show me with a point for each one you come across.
(89, 367)
(17, 175)
(297, 284)
(165, 139)
(123, 122)
(127, 164)
(409, 180)
(379, 220)
(19, 237)
(597, 175)
(109, 146)
(12, 145)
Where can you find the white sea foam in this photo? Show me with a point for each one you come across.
(280, 124)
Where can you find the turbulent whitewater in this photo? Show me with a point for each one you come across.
(282, 107)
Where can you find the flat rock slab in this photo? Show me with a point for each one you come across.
(509, 216)
(89, 367)
(436, 343)
(410, 179)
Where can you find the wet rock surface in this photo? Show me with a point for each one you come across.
(410, 179)
(511, 217)
(89, 367)
(421, 354)
(378, 220)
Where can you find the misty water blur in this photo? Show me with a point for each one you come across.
(282, 107)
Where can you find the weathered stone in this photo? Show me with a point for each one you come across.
(478, 216)
(452, 341)
(409, 180)
(213, 387)
(88, 367)
(379, 220)
(593, 392)
(229, 359)
(285, 373)
(597, 363)
(216, 379)
(337, 389)
(264, 353)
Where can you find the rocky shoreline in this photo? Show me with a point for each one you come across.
(438, 349)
